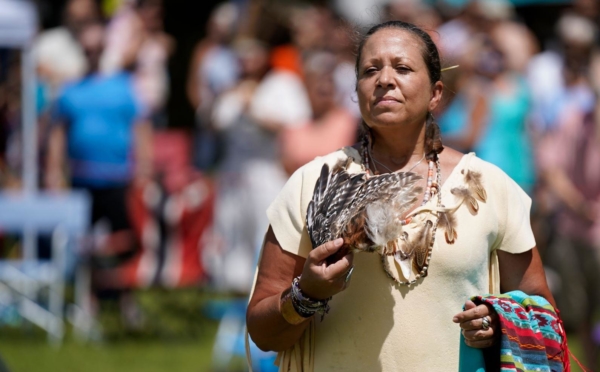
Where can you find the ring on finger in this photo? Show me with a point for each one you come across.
(486, 322)
(349, 274)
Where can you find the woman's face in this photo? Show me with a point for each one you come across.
(393, 81)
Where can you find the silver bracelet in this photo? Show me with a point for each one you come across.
(306, 306)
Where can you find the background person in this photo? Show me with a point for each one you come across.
(332, 125)
(101, 136)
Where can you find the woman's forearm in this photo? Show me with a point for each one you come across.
(275, 324)
(269, 329)
(266, 324)
(524, 272)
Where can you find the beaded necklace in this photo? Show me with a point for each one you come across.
(433, 188)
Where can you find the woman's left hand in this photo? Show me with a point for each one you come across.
(473, 325)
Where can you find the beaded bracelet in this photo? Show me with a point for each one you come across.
(306, 306)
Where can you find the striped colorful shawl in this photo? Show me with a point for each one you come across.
(532, 335)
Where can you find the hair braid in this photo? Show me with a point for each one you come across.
(433, 138)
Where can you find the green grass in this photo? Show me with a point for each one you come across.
(174, 336)
(576, 349)
(30, 352)
(33, 354)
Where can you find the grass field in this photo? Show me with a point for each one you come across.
(176, 335)
(33, 354)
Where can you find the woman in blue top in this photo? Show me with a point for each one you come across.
(489, 116)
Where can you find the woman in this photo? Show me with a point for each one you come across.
(493, 124)
(378, 322)
(249, 157)
(504, 139)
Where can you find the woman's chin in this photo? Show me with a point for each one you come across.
(387, 121)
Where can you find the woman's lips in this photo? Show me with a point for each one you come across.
(386, 100)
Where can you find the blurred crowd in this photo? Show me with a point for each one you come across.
(272, 85)
(533, 110)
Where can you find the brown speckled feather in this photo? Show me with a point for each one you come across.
(338, 205)
(468, 199)
(422, 244)
(447, 222)
(473, 180)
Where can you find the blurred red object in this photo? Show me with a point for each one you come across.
(169, 217)
(286, 57)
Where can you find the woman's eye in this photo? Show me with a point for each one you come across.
(403, 68)
(370, 70)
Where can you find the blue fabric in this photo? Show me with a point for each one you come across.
(542, 323)
(455, 118)
(505, 141)
(99, 113)
(470, 359)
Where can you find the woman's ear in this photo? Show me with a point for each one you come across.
(436, 95)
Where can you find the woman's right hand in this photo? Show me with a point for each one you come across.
(320, 280)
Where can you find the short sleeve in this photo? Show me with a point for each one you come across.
(516, 234)
(286, 216)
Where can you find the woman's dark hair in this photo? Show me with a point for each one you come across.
(430, 52)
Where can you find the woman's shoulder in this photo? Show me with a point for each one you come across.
(453, 160)
(487, 169)
(314, 166)
(459, 164)
(495, 180)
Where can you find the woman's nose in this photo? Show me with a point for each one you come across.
(386, 78)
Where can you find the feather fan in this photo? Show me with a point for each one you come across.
(364, 211)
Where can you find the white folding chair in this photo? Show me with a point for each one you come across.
(65, 216)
